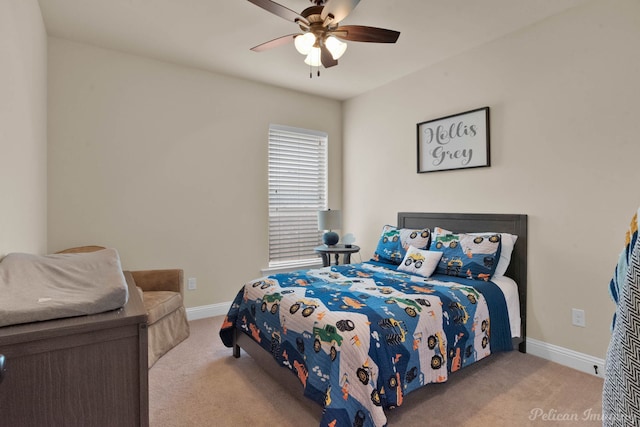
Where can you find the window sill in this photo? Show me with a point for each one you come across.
(285, 268)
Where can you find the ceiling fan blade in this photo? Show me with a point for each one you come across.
(360, 33)
(339, 9)
(280, 41)
(280, 10)
(326, 58)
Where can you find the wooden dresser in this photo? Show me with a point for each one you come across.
(81, 371)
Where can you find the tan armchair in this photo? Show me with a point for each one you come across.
(162, 293)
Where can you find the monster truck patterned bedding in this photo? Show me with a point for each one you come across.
(360, 337)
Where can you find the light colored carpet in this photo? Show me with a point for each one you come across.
(199, 383)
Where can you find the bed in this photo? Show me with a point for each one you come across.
(360, 337)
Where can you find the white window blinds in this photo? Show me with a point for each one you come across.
(297, 191)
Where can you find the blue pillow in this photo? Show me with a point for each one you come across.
(394, 243)
(471, 256)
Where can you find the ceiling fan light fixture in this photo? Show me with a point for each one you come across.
(322, 38)
(313, 58)
(304, 43)
(335, 46)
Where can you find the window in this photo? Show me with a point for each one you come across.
(297, 191)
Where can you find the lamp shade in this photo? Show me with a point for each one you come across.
(304, 42)
(335, 46)
(314, 57)
(329, 220)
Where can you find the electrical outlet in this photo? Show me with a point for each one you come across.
(191, 284)
(577, 317)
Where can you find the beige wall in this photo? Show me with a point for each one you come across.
(168, 164)
(565, 147)
(23, 127)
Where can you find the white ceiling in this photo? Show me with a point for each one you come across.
(216, 35)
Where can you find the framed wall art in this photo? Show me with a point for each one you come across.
(458, 141)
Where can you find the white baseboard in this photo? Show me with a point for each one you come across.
(212, 310)
(564, 356)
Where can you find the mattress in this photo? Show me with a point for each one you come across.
(509, 289)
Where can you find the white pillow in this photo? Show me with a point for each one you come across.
(420, 261)
(508, 241)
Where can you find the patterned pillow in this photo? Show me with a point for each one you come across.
(420, 261)
(507, 243)
(464, 255)
(394, 242)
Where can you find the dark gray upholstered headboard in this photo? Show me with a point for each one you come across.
(467, 222)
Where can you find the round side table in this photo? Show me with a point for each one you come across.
(326, 252)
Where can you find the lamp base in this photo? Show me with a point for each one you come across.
(330, 238)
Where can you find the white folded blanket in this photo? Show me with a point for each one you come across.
(35, 287)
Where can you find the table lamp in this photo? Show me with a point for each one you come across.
(329, 220)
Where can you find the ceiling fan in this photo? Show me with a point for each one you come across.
(321, 31)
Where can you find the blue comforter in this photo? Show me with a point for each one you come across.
(361, 336)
